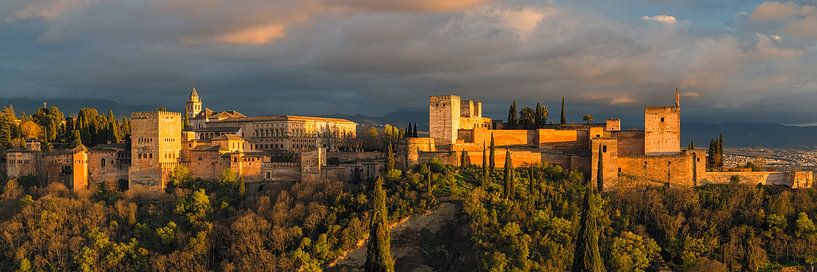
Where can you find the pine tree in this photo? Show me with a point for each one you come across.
(378, 248)
(484, 164)
(389, 158)
(513, 118)
(491, 161)
(564, 120)
(586, 256)
(508, 174)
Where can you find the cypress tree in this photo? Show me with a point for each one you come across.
(378, 248)
(600, 173)
(720, 151)
(463, 159)
(414, 133)
(242, 187)
(563, 121)
(691, 144)
(531, 176)
(77, 139)
(508, 174)
(513, 118)
(430, 185)
(710, 154)
(389, 158)
(586, 256)
(491, 161)
(484, 164)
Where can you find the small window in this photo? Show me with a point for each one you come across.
(662, 119)
(604, 149)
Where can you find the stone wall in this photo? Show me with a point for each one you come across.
(790, 179)
(504, 137)
(630, 143)
(656, 170)
(106, 166)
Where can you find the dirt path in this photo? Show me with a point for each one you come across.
(417, 243)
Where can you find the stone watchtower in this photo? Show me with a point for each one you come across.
(193, 106)
(79, 175)
(155, 148)
(662, 128)
(444, 118)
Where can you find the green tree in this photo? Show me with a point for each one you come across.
(77, 139)
(527, 118)
(378, 248)
(803, 225)
(513, 118)
(484, 164)
(587, 118)
(242, 187)
(541, 115)
(228, 176)
(600, 170)
(179, 174)
(563, 120)
(508, 174)
(631, 252)
(491, 161)
(463, 159)
(586, 256)
(389, 158)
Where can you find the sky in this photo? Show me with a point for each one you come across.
(732, 60)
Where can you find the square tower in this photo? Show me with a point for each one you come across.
(662, 130)
(155, 148)
(444, 118)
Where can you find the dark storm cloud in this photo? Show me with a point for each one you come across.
(732, 60)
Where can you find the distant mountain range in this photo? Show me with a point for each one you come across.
(751, 135)
(735, 134)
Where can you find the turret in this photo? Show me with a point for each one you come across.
(193, 106)
(677, 98)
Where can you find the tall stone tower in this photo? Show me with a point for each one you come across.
(662, 128)
(155, 149)
(79, 177)
(444, 118)
(193, 106)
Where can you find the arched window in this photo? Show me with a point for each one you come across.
(102, 162)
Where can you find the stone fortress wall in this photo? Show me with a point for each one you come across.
(631, 158)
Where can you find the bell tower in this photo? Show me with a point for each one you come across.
(192, 107)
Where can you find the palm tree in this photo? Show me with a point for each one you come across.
(588, 118)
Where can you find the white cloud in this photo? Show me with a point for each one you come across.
(622, 101)
(663, 19)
